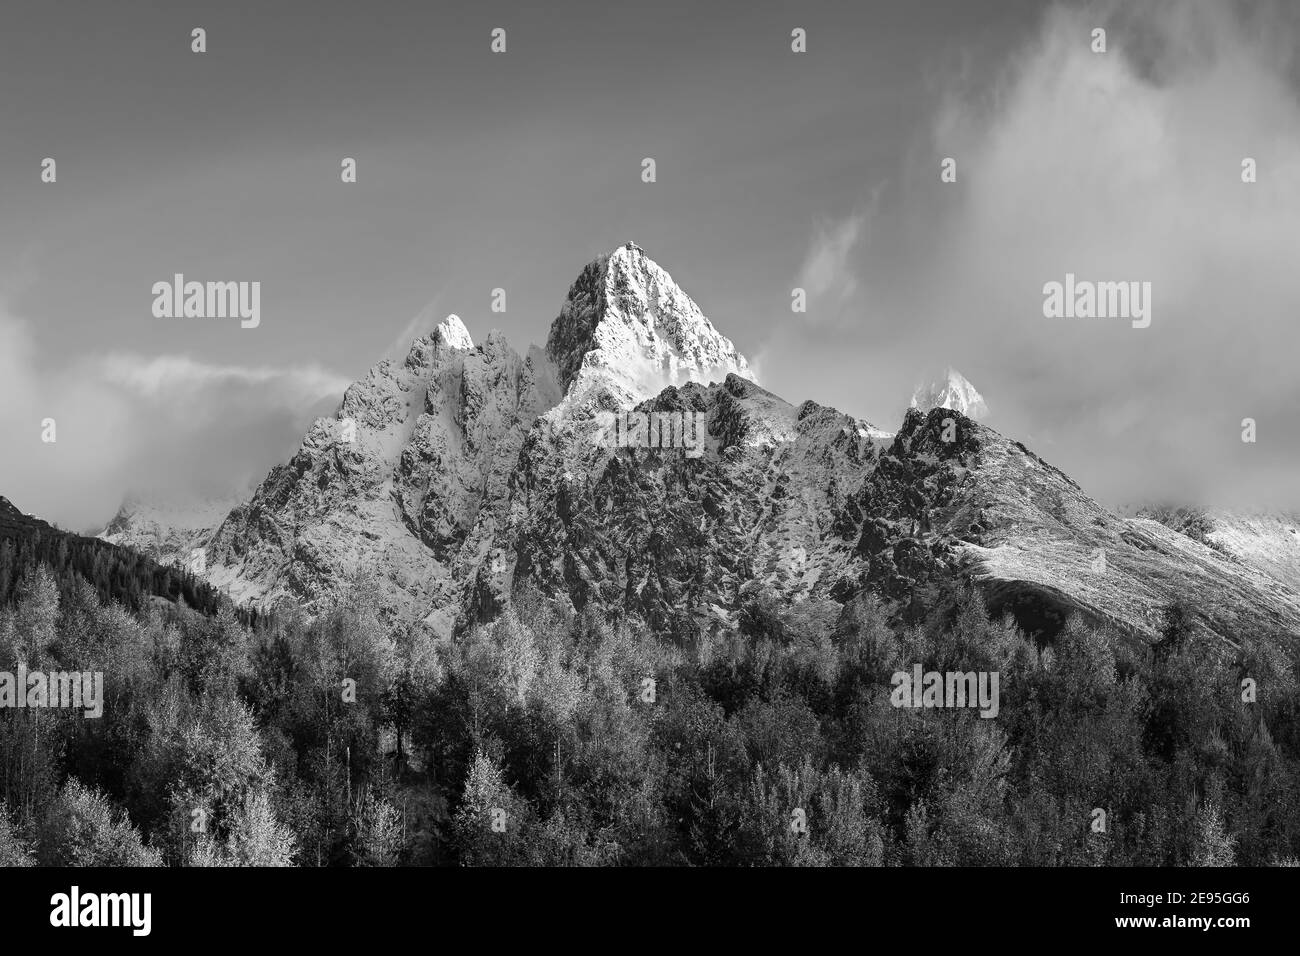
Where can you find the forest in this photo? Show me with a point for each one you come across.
(549, 737)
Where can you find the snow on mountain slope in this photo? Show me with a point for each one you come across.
(167, 526)
(434, 443)
(627, 325)
(953, 392)
(421, 495)
(1032, 538)
(1269, 542)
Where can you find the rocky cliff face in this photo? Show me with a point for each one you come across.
(417, 457)
(474, 471)
(682, 541)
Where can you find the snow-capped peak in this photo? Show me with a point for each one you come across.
(952, 391)
(450, 334)
(627, 324)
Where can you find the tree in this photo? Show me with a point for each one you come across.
(36, 615)
(379, 832)
(257, 838)
(14, 851)
(1212, 844)
(489, 826)
(84, 829)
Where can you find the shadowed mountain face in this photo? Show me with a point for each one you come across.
(466, 471)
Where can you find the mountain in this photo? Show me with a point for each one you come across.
(954, 392)
(685, 542)
(475, 470)
(420, 496)
(804, 503)
(436, 436)
(117, 574)
(167, 527)
(626, 326)
(1269, 542)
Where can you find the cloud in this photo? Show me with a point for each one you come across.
(128, 422)
(1124, 166)
(172, 375)
(828, 274)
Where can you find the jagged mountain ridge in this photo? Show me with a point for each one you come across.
(435, 439)
(419, 496)
(475, 470)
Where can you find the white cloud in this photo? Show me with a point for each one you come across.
(171, 375)
(1124, 166)
(128, 422)
(827, 274)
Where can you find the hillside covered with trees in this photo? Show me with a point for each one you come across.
(552, 738)
(116, 574)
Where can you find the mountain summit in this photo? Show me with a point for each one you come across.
(627, 323)
(952, 391)
(424, 488)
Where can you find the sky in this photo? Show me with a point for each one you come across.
(775, 170)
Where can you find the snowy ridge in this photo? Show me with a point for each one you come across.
(1268, 542)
